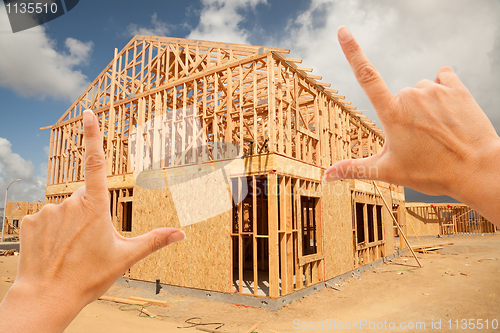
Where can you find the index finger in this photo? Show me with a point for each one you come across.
(95, 163)
(367, 75)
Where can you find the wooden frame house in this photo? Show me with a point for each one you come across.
(290, 231)
(442, 219)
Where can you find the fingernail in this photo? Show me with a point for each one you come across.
(344, 34)
(176, 237)
(88, 117)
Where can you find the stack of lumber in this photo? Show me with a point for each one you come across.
(132, 300)
(12, 252)
(429, 248)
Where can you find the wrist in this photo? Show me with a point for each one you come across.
(43, 310)
(478, 184)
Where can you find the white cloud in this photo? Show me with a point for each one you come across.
(32, 66)
(12, 167)
(79, 52)
(159, 28)
(220, 20)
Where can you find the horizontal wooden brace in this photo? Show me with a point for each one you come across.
(310, 258)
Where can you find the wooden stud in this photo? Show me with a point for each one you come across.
(273, 235)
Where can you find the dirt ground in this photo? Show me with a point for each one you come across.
(458, 286)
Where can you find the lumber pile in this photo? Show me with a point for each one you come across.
(132, 300)
(429, 248)
(122, 300)
(6, 253)
(148, 300)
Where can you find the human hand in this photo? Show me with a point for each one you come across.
(71, 253)
(438, 140)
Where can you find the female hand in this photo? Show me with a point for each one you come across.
(71, 253)
(438, 140)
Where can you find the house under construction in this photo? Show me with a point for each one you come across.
(445, 219)
(287, 231)
(15, 212)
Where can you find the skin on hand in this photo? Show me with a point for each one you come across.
(71, 253)
(438, 140)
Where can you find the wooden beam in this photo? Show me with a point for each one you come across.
(305, 69)
(397, 224)
(122, 300)
(299, 61)
(324, 84)
(148, 300)
(273, 235)
(315, 77)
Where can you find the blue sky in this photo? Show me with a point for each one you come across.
(44, 69)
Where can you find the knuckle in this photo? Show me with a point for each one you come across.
(49, 209)
(366, 74)
(351, 48)
(156, 243)
(423, 83)
(439, 92)
(26, 221)
(94, 162)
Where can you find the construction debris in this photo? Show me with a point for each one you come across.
(486, 259)
(6, 253)
(147, 313)
(122, 300)
(429, 248)
(148, 300)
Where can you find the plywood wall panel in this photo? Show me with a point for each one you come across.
(337, 221)
(202, 260)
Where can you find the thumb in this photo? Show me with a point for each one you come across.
(361, 168)
(141, 246)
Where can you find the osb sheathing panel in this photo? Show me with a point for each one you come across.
(421, 226)
(13, 214)
(337, 220)
(202, 260)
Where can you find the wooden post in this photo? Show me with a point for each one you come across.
(240, 237)
(289, 233)
(282, 235)
(254, 238)
(111, 120)
(271, 103)
(273, 236)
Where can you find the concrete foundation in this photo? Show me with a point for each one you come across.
(254, 301)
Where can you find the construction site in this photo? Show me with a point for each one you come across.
(230, 143)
